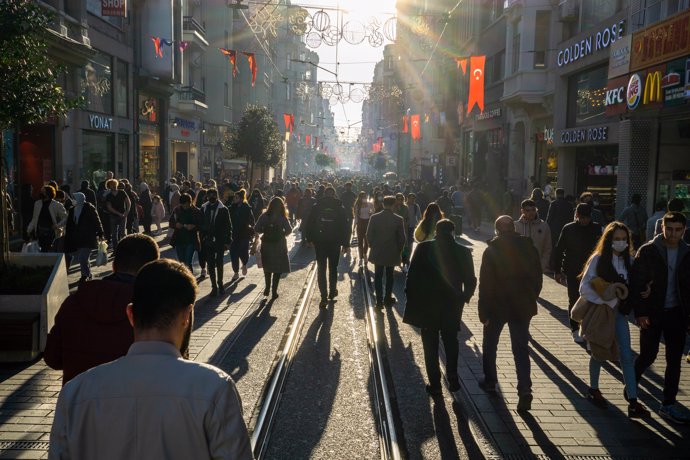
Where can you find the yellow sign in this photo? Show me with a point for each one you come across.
(652, 88)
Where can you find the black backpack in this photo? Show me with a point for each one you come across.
(329, 224)
(273, 232)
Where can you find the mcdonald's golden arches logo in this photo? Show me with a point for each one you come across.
(652, 88)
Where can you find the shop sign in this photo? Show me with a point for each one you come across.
(673, 83)
(585, 135)
(185, 124)
(148, 108)
(595, 42)
(546, 135)
(489, 114)
(661, 42)
(100, 122)
(616, 96)
(619, 58)
(634, 92)
(114, 8)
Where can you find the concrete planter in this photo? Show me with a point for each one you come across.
(34, 311)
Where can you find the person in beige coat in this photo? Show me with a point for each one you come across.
(386, 237)
(534, 228)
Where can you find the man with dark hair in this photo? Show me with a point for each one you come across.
(91, 327)
(439, 283)
(635, 217)
(328, 230)
(185, 220)
(575, 244)
(510, 281)
(216, 236)
(560, 213)
(152, 403)
(674, 205)
(386, 238)
(660, 296)
(531, 226)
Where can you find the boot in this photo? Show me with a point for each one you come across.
(267, 279)
(276, 280)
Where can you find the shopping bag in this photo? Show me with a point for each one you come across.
(102, 256)
(259, 263)
(30, 247)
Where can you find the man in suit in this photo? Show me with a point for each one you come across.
(386, 237)
(216, 236)
(440, 282)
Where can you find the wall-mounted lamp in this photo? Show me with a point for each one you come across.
(173, 122)
(203, 130)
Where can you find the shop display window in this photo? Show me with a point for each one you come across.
(97, 84)
(97, 157)
(588, 92)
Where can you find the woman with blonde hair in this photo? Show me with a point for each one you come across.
(273, 227)
(426, 230)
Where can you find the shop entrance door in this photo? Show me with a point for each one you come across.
(677, 187)
(181, 165)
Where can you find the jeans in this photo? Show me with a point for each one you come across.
(185, 252)
(327, 254)
(450, 344)
(623, 339)
(573, 294)
(239, 250)
(519, 339)
(82, 255)
(378, 282)
(118, 226)
(671, 324)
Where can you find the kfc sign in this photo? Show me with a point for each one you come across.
(114, 8)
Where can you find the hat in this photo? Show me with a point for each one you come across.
(583, 210)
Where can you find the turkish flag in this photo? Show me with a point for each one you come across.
(476, 94)
(307, 140)
(416, 128)
(232, 55)
(405, 128)
(287, 118)
(252, 65)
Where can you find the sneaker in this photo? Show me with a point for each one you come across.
(323, 303)
(596, 398)
(244, 270)
(235, 276)
(433, 390)
(489, 387)
(274, 295)
(577, 337)
(525, 402)
(203, 273)
(266, 291)
(453, 384)
(675, 413)
(333, 294)
(637, 410)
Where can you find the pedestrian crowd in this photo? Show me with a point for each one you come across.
(131, 329)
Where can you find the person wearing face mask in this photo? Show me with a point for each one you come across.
(604, 317)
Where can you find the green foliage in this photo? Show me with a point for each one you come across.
(323, 160)
(257, 137)
(29, 92)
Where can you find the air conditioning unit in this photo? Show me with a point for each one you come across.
(569, 10)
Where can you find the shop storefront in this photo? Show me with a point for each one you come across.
(184, 147)
(149, 161)
(545, 155)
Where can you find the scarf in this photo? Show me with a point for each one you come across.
(80, 199)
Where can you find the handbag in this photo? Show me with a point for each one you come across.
(102, 255)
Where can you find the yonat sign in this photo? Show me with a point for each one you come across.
(595, 42)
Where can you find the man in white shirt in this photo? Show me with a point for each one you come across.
(152, 403)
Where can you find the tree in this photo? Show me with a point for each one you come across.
(323, 160)
(257, 137)
(29, 90)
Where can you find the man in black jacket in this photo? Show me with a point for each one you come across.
(439, 283)
(510, 281)
(660, 296)
(327, 229)
(575, 244)
(560, 213)
(216, 236)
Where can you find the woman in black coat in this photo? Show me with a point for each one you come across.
(242, 219)
(439, 283)
(82, 231)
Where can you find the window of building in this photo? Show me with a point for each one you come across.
(541, 38)
(121, 89)
(588, 92)
(516, 46)
(94, 7)
(647, 12)
(595, 11)
(498, 65)
(97, 84)
(97, 155)
(121, 165)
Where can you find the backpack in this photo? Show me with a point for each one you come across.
(273, 232)
(328, 224)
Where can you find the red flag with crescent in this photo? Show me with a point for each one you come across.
(405, 128)
(476, 94)
(416, 128)
(252, 65)
(157, 46)
(307, 140)
(232, 55)
(286, 119)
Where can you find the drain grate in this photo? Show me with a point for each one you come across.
(24, 445)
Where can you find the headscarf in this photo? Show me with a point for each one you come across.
(80, 198)
(143, 186)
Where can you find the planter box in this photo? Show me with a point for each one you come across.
(20, 314)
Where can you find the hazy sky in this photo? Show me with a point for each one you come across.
(356, 61)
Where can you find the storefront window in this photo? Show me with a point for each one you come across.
(97, 84)
(588, 91)
(597, 171)
(150, 158)
(121, 93)
(97, 157)
(122, 156)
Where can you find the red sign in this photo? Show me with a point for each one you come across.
(661, 42)
(114, 8)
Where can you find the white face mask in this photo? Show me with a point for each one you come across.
(619, 246)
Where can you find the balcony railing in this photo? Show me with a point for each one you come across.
(193, 25)
(190, 93)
